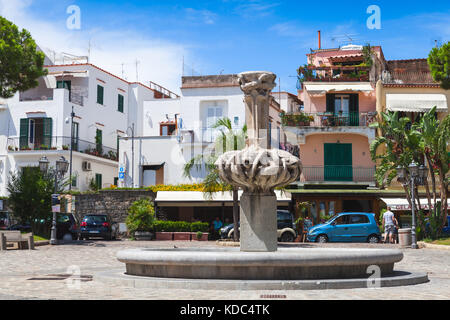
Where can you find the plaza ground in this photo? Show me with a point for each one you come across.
(31, 275)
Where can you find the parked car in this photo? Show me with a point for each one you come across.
(66, 226)
(347, 227)
(285, 227)
(97, 226)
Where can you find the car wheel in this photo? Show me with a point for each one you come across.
(373, 239)
(322, 239)
(287, 237)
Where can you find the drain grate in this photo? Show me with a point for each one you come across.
(61, 277)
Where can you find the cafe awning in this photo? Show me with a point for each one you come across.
(416, 102)
(197, 198)
(401, 204)
(321, 88)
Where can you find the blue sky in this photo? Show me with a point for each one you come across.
(227, 36)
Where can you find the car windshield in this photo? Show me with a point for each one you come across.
(96, 219)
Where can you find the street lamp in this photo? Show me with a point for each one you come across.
(72, 115)
(62, 165)
(132, 153)
(418, 175)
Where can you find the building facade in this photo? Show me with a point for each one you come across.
(39, 123)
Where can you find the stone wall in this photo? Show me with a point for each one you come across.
(114, 203)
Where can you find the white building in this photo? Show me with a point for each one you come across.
(37, 122)
(288, 102)
(176, 130)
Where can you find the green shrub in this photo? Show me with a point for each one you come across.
(180, 226)
(199, 235)
(199, 226)
(141, 216)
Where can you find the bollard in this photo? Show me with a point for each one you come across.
(30, 242)
(2, 242)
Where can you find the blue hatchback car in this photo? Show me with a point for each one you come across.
(347, 227)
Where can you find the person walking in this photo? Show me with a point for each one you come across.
(389, 225)
(218, 224)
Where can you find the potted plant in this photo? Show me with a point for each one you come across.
(182, 231)
(141, 219)
(163, 230)
(10, 148)
(65, 147)
(197, 228)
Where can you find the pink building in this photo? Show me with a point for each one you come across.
(338, 90)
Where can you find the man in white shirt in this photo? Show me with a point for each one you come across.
(389, 225)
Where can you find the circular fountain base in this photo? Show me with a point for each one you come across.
(284, 264)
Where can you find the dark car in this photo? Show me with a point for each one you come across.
(285, 227)
(66, 226)
(97, 226)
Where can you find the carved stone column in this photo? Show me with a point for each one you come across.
(256, 169)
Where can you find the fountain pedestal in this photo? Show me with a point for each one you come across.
(258, 222)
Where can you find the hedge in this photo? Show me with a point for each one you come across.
(180, 226)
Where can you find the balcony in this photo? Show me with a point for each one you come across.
(407, 78)
(18, 144)
(48, 95)
(337, 174)
(328, 119)
(334, 73)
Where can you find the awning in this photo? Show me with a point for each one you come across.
(321, 88)
(164, 198)
(401, 204)
(416, 102)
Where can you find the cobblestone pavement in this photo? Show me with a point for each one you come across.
(18, 267)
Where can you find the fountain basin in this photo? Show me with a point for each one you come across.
(284, 264)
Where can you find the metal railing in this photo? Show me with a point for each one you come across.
(337, 174)
(24, 144)
(329, 119)
(409, 77)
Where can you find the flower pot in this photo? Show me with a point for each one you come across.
(143, 236)
(203, 238)
(182, 236)
(164, 236)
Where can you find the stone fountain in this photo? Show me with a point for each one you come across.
(260, 264)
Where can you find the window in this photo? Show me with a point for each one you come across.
(66, 85)
(120, 103)
(36, 133)
(100, 94)
(342, 220)
(357, 219)
(236, 121)
(74, 179)
(341, 104)
(167, 129)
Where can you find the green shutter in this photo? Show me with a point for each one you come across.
(98, 141)
(338, 162)
(24, 127)
(48, 130)
(120, 105)
(98, 180)
(100, 92)
(330, 102)
(354, 110)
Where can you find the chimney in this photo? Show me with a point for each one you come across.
(320, 41)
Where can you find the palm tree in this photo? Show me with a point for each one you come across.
(228, 140)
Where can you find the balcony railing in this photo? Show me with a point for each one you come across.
(334, 74)
(329, 119)
(407, 78)
(23, 144)
(337, 174)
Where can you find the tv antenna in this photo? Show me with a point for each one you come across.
(345, 38)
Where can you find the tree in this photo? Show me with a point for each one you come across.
(439, 62)
(20, 63)
(426, 143)
(228, 140)
(141, 216)
(30, 197)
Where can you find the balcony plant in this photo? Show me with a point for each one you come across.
(65, 147)
(10, 148)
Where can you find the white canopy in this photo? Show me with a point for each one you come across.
(321, 88)
(416, 102)
(401, 204)
(166, 197)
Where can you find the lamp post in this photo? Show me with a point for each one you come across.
(61, 169)
(132, 153)
(417, 176)
(72, 115)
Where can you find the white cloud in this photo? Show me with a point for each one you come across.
(160, 60)
(204, 16)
